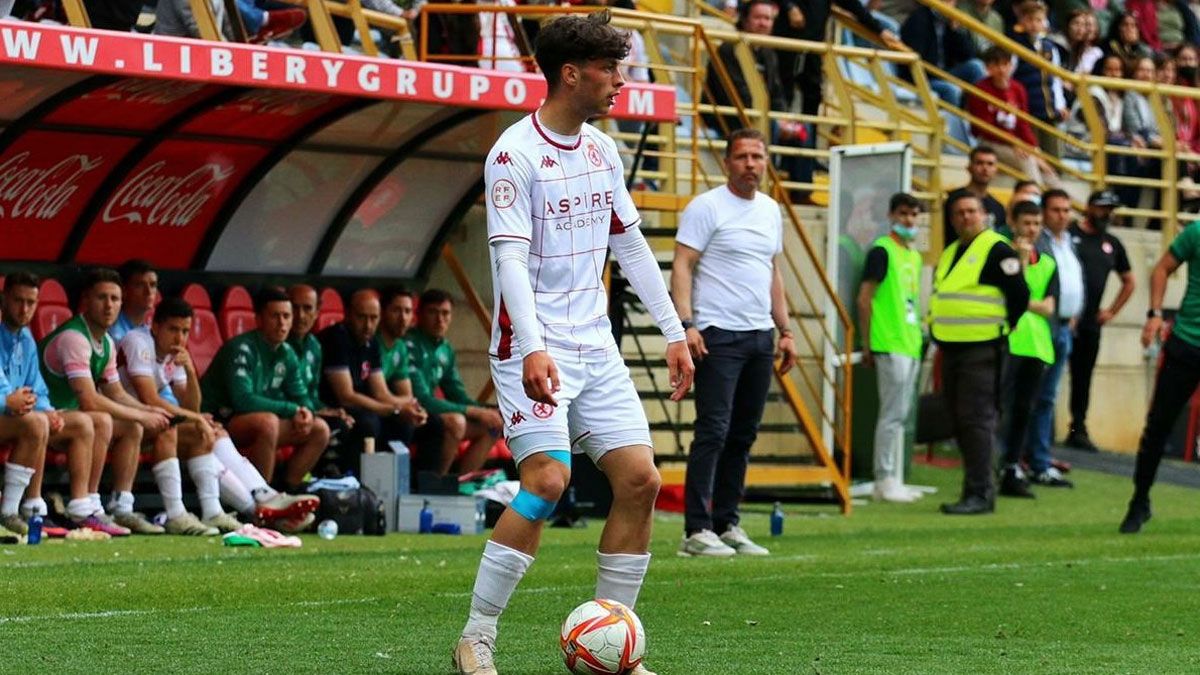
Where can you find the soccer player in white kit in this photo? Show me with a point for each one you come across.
(556, 204)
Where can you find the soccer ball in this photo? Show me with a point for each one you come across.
(602, 637)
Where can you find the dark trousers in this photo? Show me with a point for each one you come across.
(1022, 382)
(971, 382)
(731, 392)
(384, 429)
(1083, 361)
(1174, 386)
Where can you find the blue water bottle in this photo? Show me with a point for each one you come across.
(35, 530)
(426, 522)
(777, 520)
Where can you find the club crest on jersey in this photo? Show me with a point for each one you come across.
(502, 158)
(593, 155)
(504, 193)
(548, 163)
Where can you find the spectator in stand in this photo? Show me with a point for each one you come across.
(175, 18)
(789, 23)
(434, 366)
(984, 12)
(810, 75)
(1111, 105)
(254, 388)
(1047, 98)
(1185, 110)
(118, 15)
(79, 365)
(498, 48)
(1101, 254)
(352, 376)
(1165, 24)
(83, 436)
(139, 288)
(455, 35)
(1124, 39)
(266, 21)
(999, 83)
(1030, 345)
(1142, 127)
(756, 17)
(945, 44)
(1078, 40)
(981, 167)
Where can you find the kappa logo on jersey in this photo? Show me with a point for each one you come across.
(543, 411)
(504, 193)
(517, 418)
(548, 163)
(593, 155)
(503, 158)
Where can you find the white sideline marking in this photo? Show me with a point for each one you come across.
(911, 571)
(117, 613)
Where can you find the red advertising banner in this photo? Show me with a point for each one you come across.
(163, 207)
(134, 105)
(159, 57)
(46, 179)
(263, 114)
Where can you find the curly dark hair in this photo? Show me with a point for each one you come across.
(577, 39)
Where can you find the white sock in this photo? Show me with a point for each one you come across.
(16, 479)
(34, 506)
(500, 570)
(120, 502)
(81, 508)
(170, 486)
(228, 455)
(233, 493)
(619, 576)
(97, 505)
(204, 470)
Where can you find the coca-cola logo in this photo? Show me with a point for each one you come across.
(154, 197)
(40, 193)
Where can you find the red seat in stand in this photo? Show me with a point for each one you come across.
(205, 339)
(53, 309)
(237, 312)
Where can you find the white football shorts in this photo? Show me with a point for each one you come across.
(598, 410)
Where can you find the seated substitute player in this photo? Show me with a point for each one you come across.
(29, 432)
(157, 368)
(352, 376)
(397, 318)
(435, 365)
(79, 364)
(253, 387)
(84, 436)
(305, 305)
(558, 373)
(139, 288)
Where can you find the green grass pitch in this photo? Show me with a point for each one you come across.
(1044, 586)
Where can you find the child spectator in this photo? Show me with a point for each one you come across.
(1164, 24)
(1124, 39)
(1047, 98)
(995, 119)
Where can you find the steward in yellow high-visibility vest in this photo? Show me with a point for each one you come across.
(889, 323)
(1030, 346)
(979, 293)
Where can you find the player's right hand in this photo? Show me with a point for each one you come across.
(695, 343)
(681, 368)
(20, 401)
(156, 420)
(540, 377)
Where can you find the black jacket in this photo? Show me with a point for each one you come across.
(768, 68)
(919, 34)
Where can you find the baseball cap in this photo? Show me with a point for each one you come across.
(1104, 198)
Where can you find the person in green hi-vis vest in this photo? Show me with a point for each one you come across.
(890, 329)
(1030, 346)
(979, 293)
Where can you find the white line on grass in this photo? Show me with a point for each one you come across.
(119, 613)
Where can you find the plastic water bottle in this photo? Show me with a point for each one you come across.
(426, 523)
(35, 530)
(777, 520)
(328, 529)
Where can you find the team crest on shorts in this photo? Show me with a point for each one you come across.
(543, 411)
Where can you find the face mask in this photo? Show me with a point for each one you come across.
(1188, 72)
(905, 233)
(1036, 200)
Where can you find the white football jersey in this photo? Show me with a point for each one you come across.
(136, 357)
(565, 196)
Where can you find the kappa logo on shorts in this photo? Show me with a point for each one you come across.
(517, 418)
(543, 411)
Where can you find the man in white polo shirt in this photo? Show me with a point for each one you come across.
(729, 293)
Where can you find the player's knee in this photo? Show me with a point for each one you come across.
(262, 427)
(320, 431)
(35, 426)
(455, 425)
(102, 427)
(131, 431)
(641, 484)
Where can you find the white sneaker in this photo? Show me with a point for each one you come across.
(705, 543)
(474, 657)
(890, 490)
(736, 539)
(639, 669)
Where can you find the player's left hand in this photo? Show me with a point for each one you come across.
(787, 353)
(679, 363)
(56, 421)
